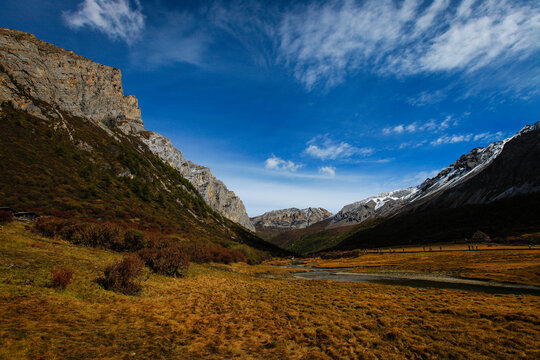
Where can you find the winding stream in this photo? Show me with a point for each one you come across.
(415, 280)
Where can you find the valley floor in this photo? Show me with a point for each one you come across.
(515, 264)
(246, 312)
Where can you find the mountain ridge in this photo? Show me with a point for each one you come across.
(32, 69)
(274, 222)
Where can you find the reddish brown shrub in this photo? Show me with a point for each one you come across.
(61, 277)
(6, 217)
(201, 253)
(123, 276)
(97, 234)
(172, 260)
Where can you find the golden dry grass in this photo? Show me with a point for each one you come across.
(509, 265)
(230, 312)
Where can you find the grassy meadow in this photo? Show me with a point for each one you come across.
(240, 311)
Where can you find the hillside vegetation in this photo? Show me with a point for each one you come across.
(70, 167)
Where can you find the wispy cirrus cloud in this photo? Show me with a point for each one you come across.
(178, 38)
(276, 163)
(323, 148)
(427, 98)
(483, 137)
(324, 42)
(118, 19)
(432, 126)
(489, 136)
(327, 170)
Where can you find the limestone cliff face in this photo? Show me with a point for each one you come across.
(275, 222)
(213, 190)
(32, 70)
(79, 86)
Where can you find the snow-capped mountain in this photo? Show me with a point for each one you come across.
(378, 205)
(501, 169)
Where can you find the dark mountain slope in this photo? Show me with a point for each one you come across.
(516, 170)
(71, 167)
(502, 200)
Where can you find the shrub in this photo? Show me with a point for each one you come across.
(61, 277)
(123, 276)
(170, 260)
(6, 217)
(134, 240)
(201, 253)
(106, 235)
(253, 256)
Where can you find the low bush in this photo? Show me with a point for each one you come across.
(253, 256)
(134, 240)
(6, 217)
(91, 233)
(124, 276)
(61, 277)
(201, 253)
(172, 260)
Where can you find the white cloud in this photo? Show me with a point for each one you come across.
(330, 150)
(327, 170)
(431, 126)
(484, 137)
(276, 163)
(452, 139)
(488, 136)
(412, 145)
(324, 42)
(118, 19)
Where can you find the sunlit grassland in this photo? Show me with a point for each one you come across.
(513, 264)
(220, 311)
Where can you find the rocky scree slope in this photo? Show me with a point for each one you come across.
(275, 222)
(33, 71)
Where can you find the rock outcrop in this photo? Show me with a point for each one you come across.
(33, 71)
(213, 190)
(277, 221)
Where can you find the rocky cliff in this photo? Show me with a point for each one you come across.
(275, 222)
(33, 71)
(213, 190)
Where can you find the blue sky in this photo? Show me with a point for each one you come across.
(312, 103)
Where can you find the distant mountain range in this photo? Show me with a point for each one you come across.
(275, 222)
(496, 188)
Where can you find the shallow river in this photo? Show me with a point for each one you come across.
(415, 280)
